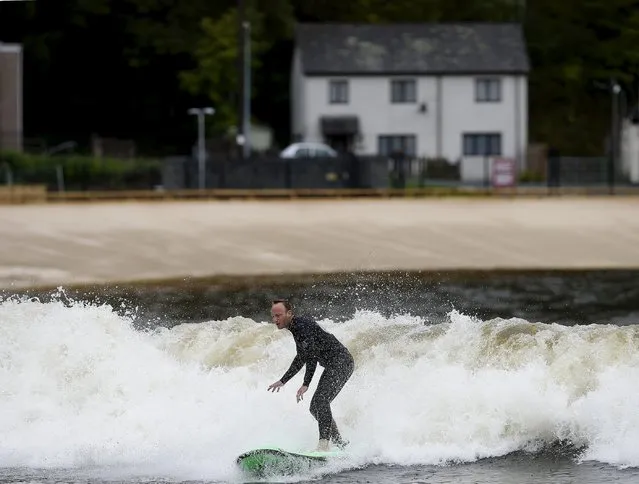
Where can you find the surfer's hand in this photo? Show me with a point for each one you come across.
(275, 386)
(301, 392)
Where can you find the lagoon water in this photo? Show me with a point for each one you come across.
(464, 378)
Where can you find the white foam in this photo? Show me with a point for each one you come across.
(81, 388)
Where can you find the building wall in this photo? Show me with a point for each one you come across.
(463, 115)
(629, 151)
(369, 99)
(445, 109)
(10, 97)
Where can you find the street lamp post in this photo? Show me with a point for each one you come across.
(201, 152)
(67, 145)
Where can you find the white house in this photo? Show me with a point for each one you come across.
(453, 91)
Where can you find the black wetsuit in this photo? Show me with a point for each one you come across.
(314, 345)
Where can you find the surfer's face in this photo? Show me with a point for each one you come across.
(280, 316)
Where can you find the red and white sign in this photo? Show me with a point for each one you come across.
(504, 172)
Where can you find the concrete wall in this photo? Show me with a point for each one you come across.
(49, 244)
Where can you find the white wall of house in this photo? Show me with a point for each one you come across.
(369, 100)
(629, 147)
(451, 110)
(463, 115)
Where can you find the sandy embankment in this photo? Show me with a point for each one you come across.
(108, 242)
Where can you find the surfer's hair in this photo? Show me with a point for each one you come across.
(287, 304)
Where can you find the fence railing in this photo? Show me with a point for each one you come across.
(378, 172)
(583, 171)
(320, 173)
(74, 173)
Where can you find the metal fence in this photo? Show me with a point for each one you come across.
(271, 172)
(583, 171)
(325, 173)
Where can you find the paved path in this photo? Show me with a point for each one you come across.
(108, 242)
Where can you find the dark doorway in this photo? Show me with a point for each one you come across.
(340, 132)
(342, 143)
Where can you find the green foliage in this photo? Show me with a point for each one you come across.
(375, 11)
(216, 55)
(531, 176)
(166, 27)
(81, 172)
(575, 46)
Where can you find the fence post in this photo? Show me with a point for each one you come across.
(8, 173)
(486, 171)
(288, 177)
(60, 176)
(553, 169)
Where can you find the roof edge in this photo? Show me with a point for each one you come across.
(514, 72)
(299, 26)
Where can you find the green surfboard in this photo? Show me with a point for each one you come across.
(277, 461)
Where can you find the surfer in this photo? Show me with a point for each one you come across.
(315, 345)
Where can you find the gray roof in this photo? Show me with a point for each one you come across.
(461, 48)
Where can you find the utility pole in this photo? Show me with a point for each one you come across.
(246, 116)
(614, 131)
(201, 137)
(241, 18)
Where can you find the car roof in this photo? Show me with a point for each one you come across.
(313, 144)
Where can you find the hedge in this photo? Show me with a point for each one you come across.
(80, 172)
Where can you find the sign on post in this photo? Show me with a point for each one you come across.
(504, 172)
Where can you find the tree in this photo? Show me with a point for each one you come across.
(576, 48)
(131, 68)
(216, 56)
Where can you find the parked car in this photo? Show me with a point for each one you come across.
(308, 150)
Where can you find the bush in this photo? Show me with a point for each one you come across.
(81, 172)
(531, 176)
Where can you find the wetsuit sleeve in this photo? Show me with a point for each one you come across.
(310, 371)
(296, 366)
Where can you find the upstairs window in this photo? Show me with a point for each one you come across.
(403, 91)
(488, 90)
(338, 92)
